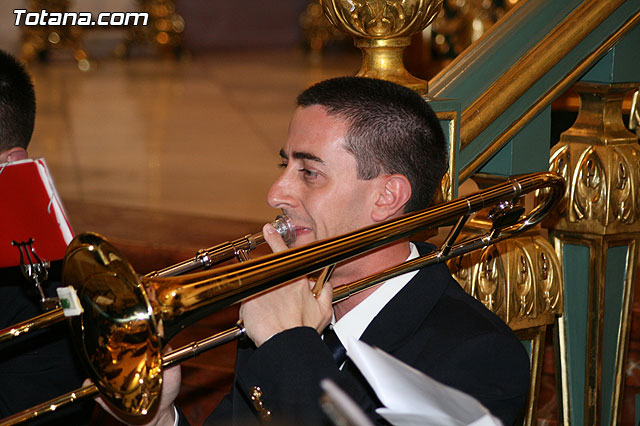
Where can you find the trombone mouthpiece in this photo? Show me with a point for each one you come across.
(285, 228)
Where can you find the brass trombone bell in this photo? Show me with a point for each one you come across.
(118, 331)
(204, 259)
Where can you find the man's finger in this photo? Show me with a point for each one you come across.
(325, 297)
(274, 239)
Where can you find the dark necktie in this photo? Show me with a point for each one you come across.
(335, 346)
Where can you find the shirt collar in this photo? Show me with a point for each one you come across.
(354, 322)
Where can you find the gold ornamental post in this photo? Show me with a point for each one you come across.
(597, 233)
(382, 29)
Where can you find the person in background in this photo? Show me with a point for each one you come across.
(41, 365)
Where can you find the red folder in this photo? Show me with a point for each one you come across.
(31, 208)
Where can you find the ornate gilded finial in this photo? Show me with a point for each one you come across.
(382, 29)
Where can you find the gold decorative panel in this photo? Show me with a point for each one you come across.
(519, 279)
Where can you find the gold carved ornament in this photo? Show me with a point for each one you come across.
(593, 183)
(601, 164)
(518, 279)
(460, 23)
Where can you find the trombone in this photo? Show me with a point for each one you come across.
(204, 259)
(126, 320)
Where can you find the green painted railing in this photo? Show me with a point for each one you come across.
(532, 56)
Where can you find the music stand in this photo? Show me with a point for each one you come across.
(34, 228)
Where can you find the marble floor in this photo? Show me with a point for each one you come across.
(196, 137)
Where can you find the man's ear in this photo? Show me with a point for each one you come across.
(393, 195)
(13, 154)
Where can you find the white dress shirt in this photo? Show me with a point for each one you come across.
(354, 322)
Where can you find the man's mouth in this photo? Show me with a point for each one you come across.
(301, 230)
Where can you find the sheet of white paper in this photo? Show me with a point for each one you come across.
(413, 419)
(340, 407)
(401, 418)
(409, 394)
(487, 420)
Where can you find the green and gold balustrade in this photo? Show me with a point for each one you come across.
(544, 47)
(597, 233)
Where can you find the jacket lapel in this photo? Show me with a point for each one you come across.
(401, 317)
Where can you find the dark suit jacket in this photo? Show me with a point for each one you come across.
(431, 324)
(41, 365)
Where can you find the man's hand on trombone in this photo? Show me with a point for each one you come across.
(289, 306)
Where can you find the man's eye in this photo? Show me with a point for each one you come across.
(282, 165)
(308, 174)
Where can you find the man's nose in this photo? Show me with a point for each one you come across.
(281, 195)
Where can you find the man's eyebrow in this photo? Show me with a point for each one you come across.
(307, 156)
(301, 155)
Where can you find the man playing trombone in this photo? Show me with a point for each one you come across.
(359, 152)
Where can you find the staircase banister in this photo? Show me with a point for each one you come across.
(495, 109)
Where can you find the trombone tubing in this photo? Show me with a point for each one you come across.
(447, 251)
(230, 284)
(237, 331)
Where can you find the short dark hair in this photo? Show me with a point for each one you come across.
(391, 129)
(17, 104)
